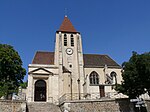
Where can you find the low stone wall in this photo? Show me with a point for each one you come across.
(12, 106)
(102, 105)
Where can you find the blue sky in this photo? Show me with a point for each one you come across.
(112, 27)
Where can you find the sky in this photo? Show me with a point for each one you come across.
(112, 27)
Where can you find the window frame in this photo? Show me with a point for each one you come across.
(72, 40)
(113, 75)
(94, 78)
(65, 39)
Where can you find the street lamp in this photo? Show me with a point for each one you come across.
(79, 88)
(71, 85)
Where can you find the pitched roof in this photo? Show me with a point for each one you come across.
(67, 26)
(43, 58)
(90, 60)
(96, 60)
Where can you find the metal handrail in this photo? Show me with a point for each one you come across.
(88, 96)
(75, 96)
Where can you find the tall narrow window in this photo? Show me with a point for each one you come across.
(65, 40)
(113, 76)
(72, 40)
(94, 78)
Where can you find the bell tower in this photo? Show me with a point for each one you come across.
(69, 58)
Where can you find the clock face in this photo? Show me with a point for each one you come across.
(69, 51)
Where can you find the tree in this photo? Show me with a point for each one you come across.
(11, 70)
(136, 75)
(24, 85)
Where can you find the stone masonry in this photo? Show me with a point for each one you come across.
(12, 106)
(103, 105)
(121, 105)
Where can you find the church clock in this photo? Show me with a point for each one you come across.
(69, 51)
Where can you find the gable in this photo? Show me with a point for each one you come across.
(40, 71)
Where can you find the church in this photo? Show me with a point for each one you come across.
(68, 73)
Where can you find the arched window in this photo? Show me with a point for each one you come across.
(72, 40)
(113, 75)
(94, 78)
(65, 40)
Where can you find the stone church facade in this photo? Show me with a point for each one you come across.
(68, 73)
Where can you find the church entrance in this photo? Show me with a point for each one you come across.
(102, 91)
(40, 90)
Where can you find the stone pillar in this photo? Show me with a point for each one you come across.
(30, 93)
(49, 89)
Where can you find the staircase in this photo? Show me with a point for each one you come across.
(42, 107)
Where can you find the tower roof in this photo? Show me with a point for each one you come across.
(67, 26)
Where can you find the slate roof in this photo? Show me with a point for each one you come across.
(67, 26)
(97, 60)
(42, 57)
(90, 60)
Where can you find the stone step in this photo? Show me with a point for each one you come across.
(42, 107)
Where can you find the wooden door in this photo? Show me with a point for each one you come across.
(40, 91)
(102, 91)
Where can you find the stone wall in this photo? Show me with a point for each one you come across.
(12, 106)
(103, 105)
(147, 102)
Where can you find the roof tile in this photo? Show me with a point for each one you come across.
(90, 60)
(67, 26)
(96, 60)
(43, 58)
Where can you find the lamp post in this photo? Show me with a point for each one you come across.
(71, 84)
(79, 88)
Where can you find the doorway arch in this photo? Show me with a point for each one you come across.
(40, 90)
